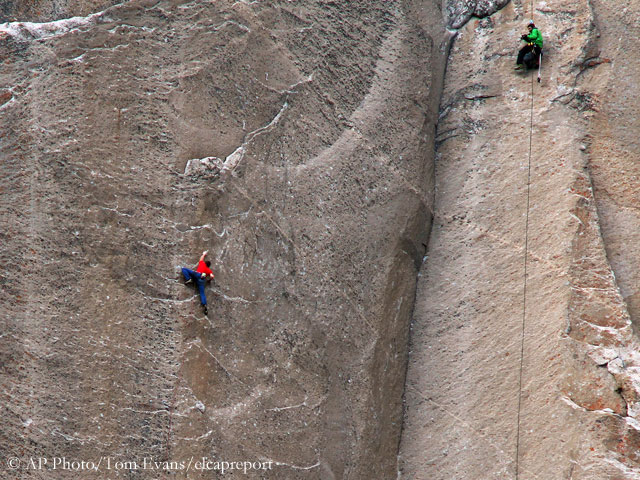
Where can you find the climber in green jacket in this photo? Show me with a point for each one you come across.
(534, 46)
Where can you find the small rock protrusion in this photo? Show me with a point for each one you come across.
(209, 166)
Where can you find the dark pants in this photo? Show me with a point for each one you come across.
(198, 280)
(526, 49)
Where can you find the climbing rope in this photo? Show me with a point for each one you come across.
(524, 292)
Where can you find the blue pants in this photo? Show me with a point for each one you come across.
(198, 280)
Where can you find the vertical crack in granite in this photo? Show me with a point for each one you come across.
(612, 146)
(606, 80)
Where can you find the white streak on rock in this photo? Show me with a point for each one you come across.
(10, 102)
(195, 439)
(279, 409)
(232, 299)
(297, 467)
(198, 343)
(116, 211)
(30, 30)
(232, 161)
(231, 22)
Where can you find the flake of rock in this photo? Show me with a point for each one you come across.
(602, 356)
(460, 11)
(208, 166)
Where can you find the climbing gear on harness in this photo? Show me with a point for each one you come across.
(539, 66)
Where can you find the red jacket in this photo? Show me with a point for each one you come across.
(202, 268)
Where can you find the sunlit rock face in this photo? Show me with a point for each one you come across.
(319, 153)
(459, 12)
(48, 10)
(524, 354)
(294, 142)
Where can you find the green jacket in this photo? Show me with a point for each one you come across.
(535, 37)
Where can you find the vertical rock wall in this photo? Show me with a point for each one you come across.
(294, 141)
(524, 356)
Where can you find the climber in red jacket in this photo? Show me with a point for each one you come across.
(200, 276)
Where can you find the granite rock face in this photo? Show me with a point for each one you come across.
(459, 12)
(39, 11)
(297, 142)
(524, 355)
(294, 141)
